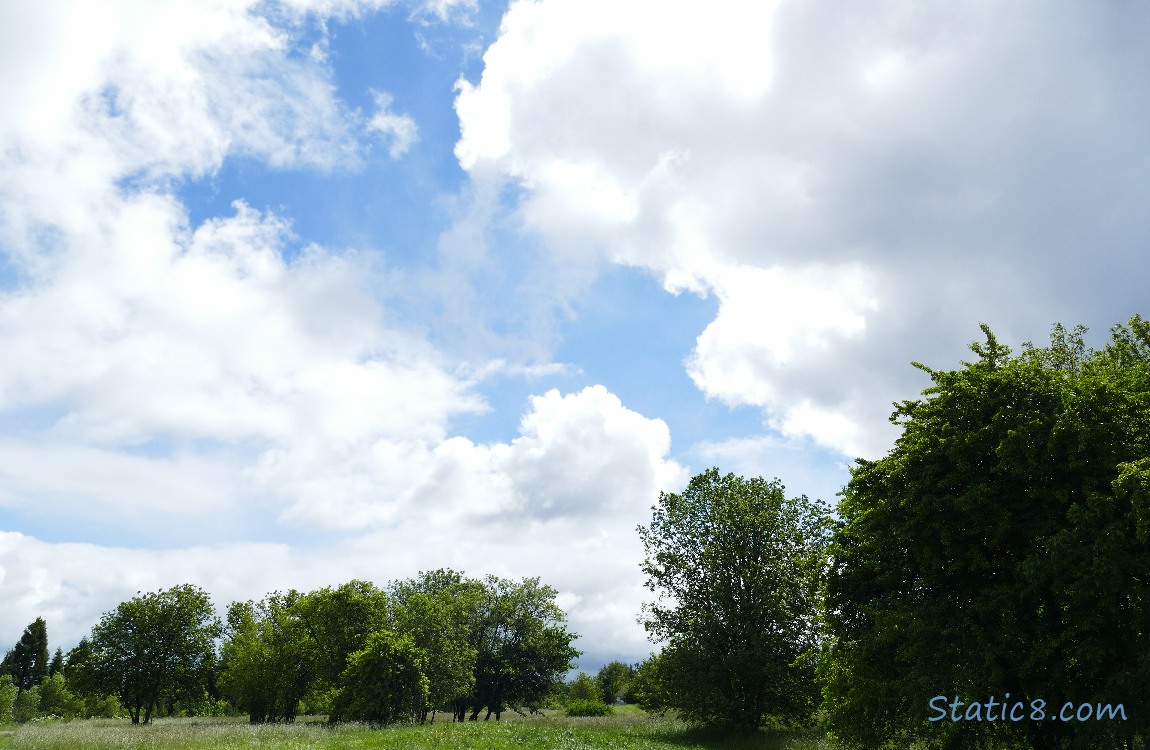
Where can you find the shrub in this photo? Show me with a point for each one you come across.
(583, 707)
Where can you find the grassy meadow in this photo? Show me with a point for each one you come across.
(629, 728)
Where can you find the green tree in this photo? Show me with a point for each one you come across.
(435, 610)
(583, 688)
(336, 623)
(523, 646)
(612, 680)
(266, 667)
(27, 662)
(383, 683)
(57, 664)
(738, 568)
(1000, 547)
(27, 705)
(154, 649)
(7, 699)
(57, 700)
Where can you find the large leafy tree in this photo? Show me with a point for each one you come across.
(336, 622)
(738, 567)
(1001, 547)
(266, 667)
(522, 643)
(153, 649)
(435, 609)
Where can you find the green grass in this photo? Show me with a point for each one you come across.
(629, 729)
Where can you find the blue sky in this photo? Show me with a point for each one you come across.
(298, 291)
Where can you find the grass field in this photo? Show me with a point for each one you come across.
(626, 730)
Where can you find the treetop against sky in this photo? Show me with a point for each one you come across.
(296, 292)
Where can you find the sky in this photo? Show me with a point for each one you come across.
(299, 291)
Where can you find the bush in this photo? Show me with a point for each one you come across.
(583, 707)
(384, 683)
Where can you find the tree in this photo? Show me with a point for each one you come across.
(266, 667)
(57, 664)
(738, 568)
(155, 648)
(583, 688)
(1000, 547)
(383, 683)
(434, 609)
(27, 662)
(7, 699)
(612, 680)
(336, 623)
(523, 646)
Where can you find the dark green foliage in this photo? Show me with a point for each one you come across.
(1000, 547)
(27, 662)
(152, 650)
(336, 623)
(585, 707)
(612, 681)
(522, 646)
(439, 610)
(383, 683)
(741, 566)
(57, 664)
(266, 667)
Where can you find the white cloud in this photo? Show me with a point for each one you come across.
(896, 175)
(401, 130)
(561, 502)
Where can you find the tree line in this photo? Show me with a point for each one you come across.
(356, 652)
(998, 554)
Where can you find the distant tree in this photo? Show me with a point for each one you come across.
(27, 662)
(1000, 547)
(265, 664)
(383, 683)
(612, 680)
(153, 649)
(583, 688)
(57, 664)
(741, 566)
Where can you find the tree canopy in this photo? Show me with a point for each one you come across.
(1000, 547)
(738, 567)
(153, 648)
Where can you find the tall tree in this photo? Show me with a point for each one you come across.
(435, 610)
(738, 567)
(27, 662)
(155, 648)
(523, 645)
(1000, 547)
(266, 667)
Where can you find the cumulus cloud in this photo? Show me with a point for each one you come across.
(898, 174)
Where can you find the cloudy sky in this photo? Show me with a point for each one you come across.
(299, 291)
